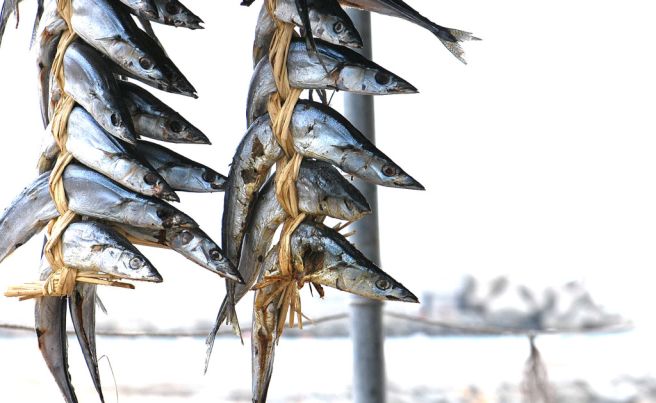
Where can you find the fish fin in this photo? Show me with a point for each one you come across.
(209, 341)
(37, 19)
(451, 39)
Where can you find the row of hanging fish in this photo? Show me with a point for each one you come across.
(118, 184)
(321, 60)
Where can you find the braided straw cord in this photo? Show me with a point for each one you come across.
(62, 280)
(287, 284)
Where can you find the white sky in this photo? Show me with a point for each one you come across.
(538, 156)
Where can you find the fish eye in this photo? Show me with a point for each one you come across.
(390, 170)
(171, 7)
(175, 126)
(163, 214)
(383, 284)
(382, 78)
(116, 121)
(186, 237)
(338, 27)
(216, 255)
(146, 63)
(150, 178)
(209, 176)
(136, 262)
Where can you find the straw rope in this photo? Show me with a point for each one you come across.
(281, 104)
(62, 280)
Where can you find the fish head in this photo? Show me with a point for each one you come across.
(323, 190)
(112, 115)
(331, 260)
(334, 25)
(135, 266)
(326, 135)
(200, 248)
(370, 78)
(176, 14)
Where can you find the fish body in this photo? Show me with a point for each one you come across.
(50, 326)
(263, 335)
(47, 37)
(109, 28)
(90, 82)
(82, 306)
(94, 195)
(329, 23)
(317, 132)
(339, 68)
(92, 246)
(192, 243)
(154, 119)
(449, 37)
(322, 191)
(180, 172)
(92, 146)
(27, 214)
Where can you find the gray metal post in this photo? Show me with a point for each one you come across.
(366, 315)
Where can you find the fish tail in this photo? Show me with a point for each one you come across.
(228, 314)
(451, 39)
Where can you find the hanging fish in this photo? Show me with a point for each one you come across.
(322, 190)
(449, 37)
(340, 68)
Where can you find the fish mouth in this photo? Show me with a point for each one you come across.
(406, 296)
(165, 192)
(197, 137)
(182, 86)
(150, 13)
(232, 274)
(404, 87)
(408, 182)
(152, 276)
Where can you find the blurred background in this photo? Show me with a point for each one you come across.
(538, 159)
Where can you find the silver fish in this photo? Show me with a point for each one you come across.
(92, 246)
(92, 194)
(449, 37)
(322, 190)
(330, 259)
(317, 132)
(192, 243)
(142, 8)
(327, 19)
(89, 194)
(82, 306)
(111, 30)
(180, 172)
(47, 37)
(340, 68)
(92, 146)
(89, 81)
(264, 335)
(27, 214)
(50, 326)
(153, 118)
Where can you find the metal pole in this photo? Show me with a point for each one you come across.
(366, 314)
